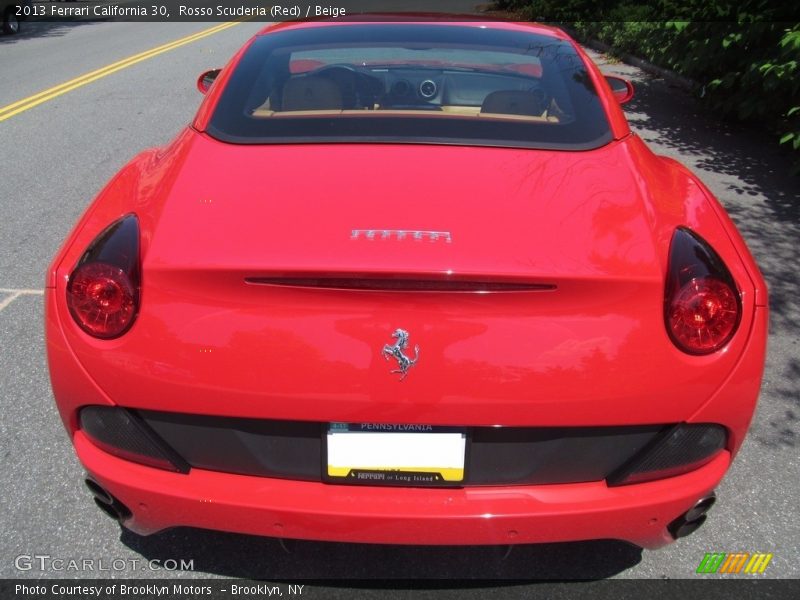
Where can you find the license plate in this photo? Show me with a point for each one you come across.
(381, 454)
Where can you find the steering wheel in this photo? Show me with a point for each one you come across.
(345, 76)
(359, 89)
(334, 66)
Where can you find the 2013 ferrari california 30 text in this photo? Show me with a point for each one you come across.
(407, 281)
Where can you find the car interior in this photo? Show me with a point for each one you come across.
(309, 88)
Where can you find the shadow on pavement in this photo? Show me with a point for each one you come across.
(748, 172)
(252, 557)
(37, 29)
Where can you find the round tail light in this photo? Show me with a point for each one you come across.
(102, 299)
(703, 315)
(103, 289)
(702, 307)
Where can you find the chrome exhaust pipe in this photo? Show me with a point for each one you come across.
(98, 492)
(701, 507)
(680, 528)
(692, 519)
(106, 502)
(108, 509)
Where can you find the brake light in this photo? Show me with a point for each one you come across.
(103, 289)
(702, 306)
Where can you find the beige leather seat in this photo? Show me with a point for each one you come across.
(311, 93)
(512, 102)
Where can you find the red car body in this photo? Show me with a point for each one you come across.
(585, 346)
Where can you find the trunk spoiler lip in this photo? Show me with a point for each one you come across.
(404, 283)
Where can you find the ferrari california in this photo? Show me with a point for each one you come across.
(407, 281)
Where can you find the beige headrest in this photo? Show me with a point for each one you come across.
(512, 102)
(311, 93)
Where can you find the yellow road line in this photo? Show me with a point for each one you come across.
(8, 111)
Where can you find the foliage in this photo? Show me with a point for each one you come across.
(745, 55)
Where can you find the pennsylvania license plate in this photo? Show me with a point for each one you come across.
(381, 454)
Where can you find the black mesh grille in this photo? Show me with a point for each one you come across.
(495, 455)
(681, 449)
(124, 434)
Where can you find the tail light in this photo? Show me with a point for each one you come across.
(702, 306)
(103, 289)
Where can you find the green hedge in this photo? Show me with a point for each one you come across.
(745, 56)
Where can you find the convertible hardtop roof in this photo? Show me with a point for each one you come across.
(439, 19)
(419, 21)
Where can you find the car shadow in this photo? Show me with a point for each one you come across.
(253, 557)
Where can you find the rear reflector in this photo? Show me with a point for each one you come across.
(122, 433)
(678, 450)
(401, 284)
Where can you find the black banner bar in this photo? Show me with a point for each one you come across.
(216, 589)
(743, 11)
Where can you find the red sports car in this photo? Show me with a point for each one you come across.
(407, 281)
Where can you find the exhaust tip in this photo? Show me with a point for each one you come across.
(702, 507)
(682, 529)
(108, 509)
(106, 502)
(98, 492)
(692, 519)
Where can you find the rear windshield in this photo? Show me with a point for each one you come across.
(411, 83)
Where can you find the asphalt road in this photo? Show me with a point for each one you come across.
(56, 156)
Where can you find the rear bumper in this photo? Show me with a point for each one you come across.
(638, 514)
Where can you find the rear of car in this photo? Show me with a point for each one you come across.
(407, 283)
